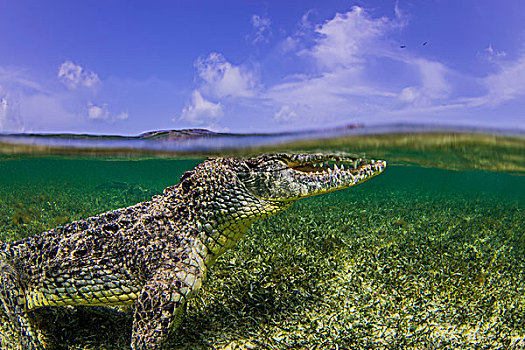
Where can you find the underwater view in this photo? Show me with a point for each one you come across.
(430, 254)
(273, 175)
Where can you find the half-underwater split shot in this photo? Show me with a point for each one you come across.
(232, 175)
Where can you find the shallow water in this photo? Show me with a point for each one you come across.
(430, 254)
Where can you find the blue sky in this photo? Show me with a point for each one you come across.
(124, 67)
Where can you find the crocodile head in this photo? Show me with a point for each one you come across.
(289, 177)
(226, 195)
(276, 178)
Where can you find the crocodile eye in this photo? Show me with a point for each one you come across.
(186, 175)
(184, 180)
(251, 164)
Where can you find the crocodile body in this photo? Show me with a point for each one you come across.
(155, 255)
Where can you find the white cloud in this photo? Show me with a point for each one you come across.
(201, 111)
(74, 76)
(410, 94)
(122, 116)
(305, 25)
(223, 79)
(348, 38)
(98, 112)
(433, 84)
(9, 110)
(262, 30)
(347, 69)
(342, 89)
(26, 104)
(289, 44)
(285, 114)
(339, 90)
(302, 38)
(102, 113)
(345, 86)
(506, 84)
(331, 98)
(433, 79)
(397, 10)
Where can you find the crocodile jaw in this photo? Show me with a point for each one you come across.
(340, 173)
(292, 177)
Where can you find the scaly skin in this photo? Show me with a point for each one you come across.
(155, 255)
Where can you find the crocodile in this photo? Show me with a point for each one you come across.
(154, 256)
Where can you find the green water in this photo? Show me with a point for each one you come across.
(38, 194)
(418, 257)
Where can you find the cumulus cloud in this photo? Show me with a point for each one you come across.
(347, 69)
(349, 37)
(201, 111)
(102, 113)
(433, 84)
(337, 89)
(74, 76)
(344, 84)
(29, 104)
(221, 78)
(341, 87)
(218, 79)
(98, 112)
(262, 30)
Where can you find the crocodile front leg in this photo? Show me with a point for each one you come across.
(12, 304)
(160, 306)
